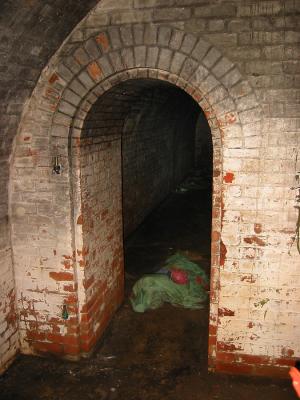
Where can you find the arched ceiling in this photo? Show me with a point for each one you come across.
(30, 33)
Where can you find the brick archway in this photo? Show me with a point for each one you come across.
(80, 214)
(51, 273)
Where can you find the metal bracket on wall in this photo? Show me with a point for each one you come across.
(57, 167)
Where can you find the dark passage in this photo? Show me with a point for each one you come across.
(157, 355)
(180, 223)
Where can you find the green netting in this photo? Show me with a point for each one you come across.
(153, 290)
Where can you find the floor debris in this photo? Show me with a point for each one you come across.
(180, 282)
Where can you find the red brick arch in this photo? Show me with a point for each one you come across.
(102, 87)
(53, 272)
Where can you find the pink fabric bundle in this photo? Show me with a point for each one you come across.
(179, 276)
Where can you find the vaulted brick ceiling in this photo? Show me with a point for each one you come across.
(30, 33)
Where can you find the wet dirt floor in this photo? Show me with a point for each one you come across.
(158, 355)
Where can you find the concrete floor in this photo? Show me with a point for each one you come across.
(158, 355)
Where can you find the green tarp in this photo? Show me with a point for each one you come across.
(153, 290)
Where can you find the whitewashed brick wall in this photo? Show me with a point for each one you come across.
(240, 62)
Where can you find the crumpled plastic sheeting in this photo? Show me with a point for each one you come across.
(153, 290)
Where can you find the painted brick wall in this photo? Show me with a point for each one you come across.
(30, 33)
(240, 61)
(101, 219)
(8, 320)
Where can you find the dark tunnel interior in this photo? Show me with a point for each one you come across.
(166, 169)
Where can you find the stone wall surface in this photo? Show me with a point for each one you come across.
(240, 61)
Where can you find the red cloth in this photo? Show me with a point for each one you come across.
(295, 375)
(179, 276)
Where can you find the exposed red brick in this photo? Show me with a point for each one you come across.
(83, 313)
(214, 247)
(80, 220)
(197, 97)
(88, 282)
(287, 362)
(226, 357)
(87, 342)
(103, 41)
(71, 298)
(227, 346)
(93, 312)
(67, 264)
(46, 347)
(55, 338)
(72, 329)
(212, 340)
(215, 259)
(69, 288)
(56, 328)
(94, 70)
(223, 252)
(254, 240)
(225, 312)
(72, 321)
(71, 340)
(215, 235)
(85, 331)
(229, 177)
(11, 316)
(212, 330)
(36, 336)
(52, 94)
(53, 78)
(252, 359)
(61, 276)
(82, 263)
(54, 320)
(73, 308)
(71, 350)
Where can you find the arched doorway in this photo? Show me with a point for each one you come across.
(136, 144)
(53, 272)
